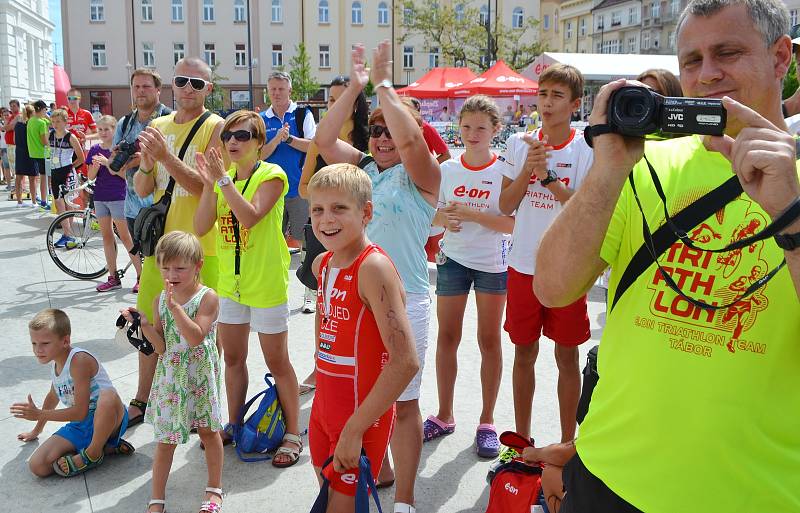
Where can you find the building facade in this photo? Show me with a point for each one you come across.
(26, 53)
(576, 26)
(617, 26)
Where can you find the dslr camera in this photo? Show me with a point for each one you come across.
(125, 151)
(639, 111)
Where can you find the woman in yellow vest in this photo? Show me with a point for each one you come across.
(246, 202)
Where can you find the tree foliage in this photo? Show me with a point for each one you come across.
(790, 81)
(304, 85)
(216, 100)
(455, 30)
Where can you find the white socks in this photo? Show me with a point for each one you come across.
(400, 507)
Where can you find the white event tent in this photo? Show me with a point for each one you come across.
(603, 67)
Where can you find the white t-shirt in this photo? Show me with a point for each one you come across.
(793, 124)
(475, 246)
(538, 208)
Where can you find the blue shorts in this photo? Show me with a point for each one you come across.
(79, 434)
(454, 279)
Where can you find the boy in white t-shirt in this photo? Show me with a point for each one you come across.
(545, 167)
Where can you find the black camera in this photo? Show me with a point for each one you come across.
(125, 151)
(638, 111)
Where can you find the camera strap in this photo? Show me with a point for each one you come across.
(236, 234)
(656, 244)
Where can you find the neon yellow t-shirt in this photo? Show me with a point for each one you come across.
(697, 410)
(264, 261)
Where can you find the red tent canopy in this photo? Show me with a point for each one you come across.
(437, 82)
(499, 80)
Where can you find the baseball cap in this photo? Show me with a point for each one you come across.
(40, 104)
(794, 33)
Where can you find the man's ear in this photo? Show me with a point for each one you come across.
(782, 50)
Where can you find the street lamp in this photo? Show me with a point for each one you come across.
(249, 61)
(129, 67)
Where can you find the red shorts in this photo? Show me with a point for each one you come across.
(527, 319)
(322, 440)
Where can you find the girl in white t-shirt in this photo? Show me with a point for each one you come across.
(472, 255)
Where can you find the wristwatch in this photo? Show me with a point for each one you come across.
(788, 241)
(384, 83)
(225, 180)
(289, 139)
(551, 177)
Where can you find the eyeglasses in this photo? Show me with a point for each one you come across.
(376, 131)
(73, 98)
(239, 135)
(198, 84)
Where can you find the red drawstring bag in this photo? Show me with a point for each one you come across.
(515, 488)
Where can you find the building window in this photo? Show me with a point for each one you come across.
(324, 56)
(277, 11)
(632, 45)
(177, 10)
(148, 55)
(483, 16)
(210, 54)
(582, 27)
(96, 11)
(600, 22)
(355, 14)
(240, 55)
(147, 10)
(433, 58)
(655, 10)
(616, 18)
(646, 41)
(208, 11)
(240, 99)
(460, 12)
(98, 55)
(383, 14)
(546, 22)
(408, 57)
(277, 56)
(632, 16)
(178, 52)
(408, 16)
(675, 7)
(323, 12)
(568, 31)
(103, 101)
(517, 18)
(239, 12)
(671, 40)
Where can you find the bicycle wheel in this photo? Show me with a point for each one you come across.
(83, 258)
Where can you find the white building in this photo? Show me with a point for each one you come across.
(26, 58)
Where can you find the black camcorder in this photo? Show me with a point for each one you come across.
(639, 111)
(125, 151)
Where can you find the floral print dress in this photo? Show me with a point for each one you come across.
(187, 382)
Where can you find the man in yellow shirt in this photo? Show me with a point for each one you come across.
(695, 408)
(160, 144)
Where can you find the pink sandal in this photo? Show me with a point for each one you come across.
(433, 428)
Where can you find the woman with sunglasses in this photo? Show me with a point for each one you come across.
(405, 180)
(246, 203)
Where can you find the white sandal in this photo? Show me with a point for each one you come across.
(157, 502)
(212, 507)
(294, 453)
(400, 507)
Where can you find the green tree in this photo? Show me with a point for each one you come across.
(461, 41)
(304, 85)
(216, 100)
(790, 81)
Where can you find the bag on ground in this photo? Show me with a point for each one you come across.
(263, 430)
(515, 488)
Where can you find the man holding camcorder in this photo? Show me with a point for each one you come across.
(700, 352)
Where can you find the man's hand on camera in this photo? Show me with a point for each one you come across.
(762, 156)
(617, 152)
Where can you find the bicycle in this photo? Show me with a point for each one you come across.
(82, 258)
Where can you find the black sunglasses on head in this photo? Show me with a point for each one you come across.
(376, 131)
(198, 84)
(239, 135)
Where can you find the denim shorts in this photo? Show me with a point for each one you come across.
(453, 279)
(115, 209)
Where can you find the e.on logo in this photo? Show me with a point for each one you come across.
(462, 191)
(512, 489)
(349, 479)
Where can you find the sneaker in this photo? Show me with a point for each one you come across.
(20, 205)
(113, 283)
(506, 455)
(309, 301)
(486, 443)
(62, 242)
(44, 205)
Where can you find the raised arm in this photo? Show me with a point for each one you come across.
(309, 167)
(421, 167)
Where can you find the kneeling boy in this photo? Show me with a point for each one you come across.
(366, 354)
(96, 418)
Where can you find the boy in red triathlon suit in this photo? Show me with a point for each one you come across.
(366, 355)
(81, 123)
(545, 168)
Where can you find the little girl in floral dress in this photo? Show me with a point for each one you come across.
(187, 382)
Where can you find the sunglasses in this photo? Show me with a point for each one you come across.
(376, 131)
(73, 98)
(198, 84)
(239, 135)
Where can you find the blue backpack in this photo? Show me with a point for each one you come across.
(263, 431)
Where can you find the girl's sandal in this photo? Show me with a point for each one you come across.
(292, 453)
(73, 469)
(157, 502)
(209, 506)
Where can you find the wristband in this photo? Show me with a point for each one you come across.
(148, 173)
(590, 132)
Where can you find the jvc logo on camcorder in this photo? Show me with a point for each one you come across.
(675, 116)
(511, 488)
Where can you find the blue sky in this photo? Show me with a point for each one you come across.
(58, 44)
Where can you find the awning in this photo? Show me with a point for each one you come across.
(437, 83)
(499, 80)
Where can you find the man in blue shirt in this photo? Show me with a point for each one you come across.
(286, 146)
